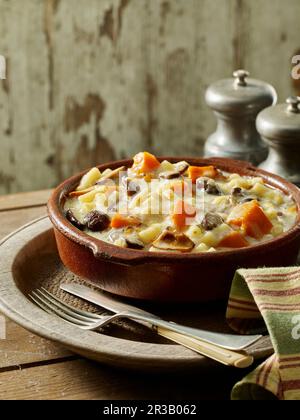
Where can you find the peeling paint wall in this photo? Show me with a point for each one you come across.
(93, 81)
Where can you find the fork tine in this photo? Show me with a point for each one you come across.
(66, 308)
(78, 311)
(54, 303)
(53, 310)
(40, 304)
(44, 303)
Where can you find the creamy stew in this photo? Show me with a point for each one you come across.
(176, 207)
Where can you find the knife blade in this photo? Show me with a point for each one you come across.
(101, 298)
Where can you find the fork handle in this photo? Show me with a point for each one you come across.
(224, 356)
(228, 341)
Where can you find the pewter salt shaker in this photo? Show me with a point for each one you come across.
(279, 127)
(236, 103)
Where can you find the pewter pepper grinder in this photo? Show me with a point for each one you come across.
(279, 127)
(236, 103)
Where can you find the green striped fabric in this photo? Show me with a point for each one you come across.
(268, 299)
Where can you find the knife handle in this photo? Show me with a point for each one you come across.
(224, 356)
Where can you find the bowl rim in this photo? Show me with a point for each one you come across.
(126, 256)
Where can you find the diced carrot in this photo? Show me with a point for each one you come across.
(234, 239)
(182, 213)
(196, 172)
(144, 162)
(251, 218)
(119, 221)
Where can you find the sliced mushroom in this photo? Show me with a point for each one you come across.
(110, 175)
(172, 241)
(179, 169)
(169, 175)
(240, 196)
(132, 187)
(211, 221)
(235, 196)
(75, 222)
(134, 243)
(237, 192)
(208, 185)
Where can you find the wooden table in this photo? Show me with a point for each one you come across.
(34, 368)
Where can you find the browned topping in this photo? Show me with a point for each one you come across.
(105, 181)
(247, 199)
(134, 243)
(211, 221)
(132, 187)
(173, 241)
(70, 216)
(179, 169)
(168, 236)
(237, 192)
(97, 221)
(110, 175)
(169, 175)
(209, 186)
(81, 192)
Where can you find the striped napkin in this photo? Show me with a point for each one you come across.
(268, 299)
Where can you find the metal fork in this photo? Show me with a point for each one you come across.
(90, 321)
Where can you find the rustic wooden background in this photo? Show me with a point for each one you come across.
(94, 80)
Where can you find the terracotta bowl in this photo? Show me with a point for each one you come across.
(166, 276)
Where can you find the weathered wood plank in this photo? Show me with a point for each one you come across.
(99, 94)
(24, 116)
(75, 89)
(270, 38)
(12, 220)
(24, 200)
(21, 348)
(85, 380)
(191, 46)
